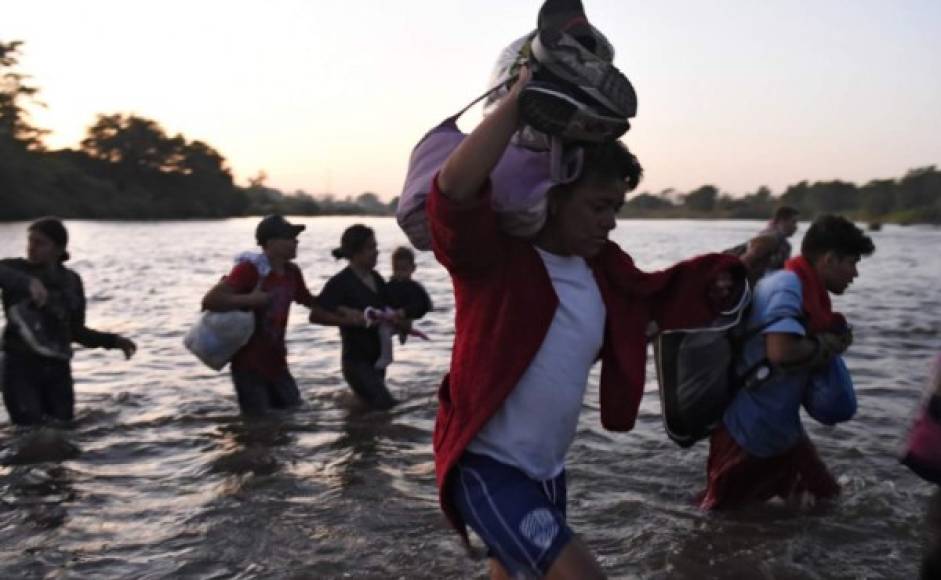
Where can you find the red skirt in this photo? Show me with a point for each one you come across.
(735, 477)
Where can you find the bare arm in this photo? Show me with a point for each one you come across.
(342, 317)
(469, 166)
(789, 349)
(222, 298)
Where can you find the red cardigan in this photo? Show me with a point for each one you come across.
(505, 302)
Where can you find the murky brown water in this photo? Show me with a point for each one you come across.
(170, 483)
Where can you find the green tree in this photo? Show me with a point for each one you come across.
(15, 92)
(878, 197)
(370, 203)
(919, 188)
(647, 202)
(701, 199)
(134, 144)
(797, 196)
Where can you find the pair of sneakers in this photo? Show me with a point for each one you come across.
(576, 92)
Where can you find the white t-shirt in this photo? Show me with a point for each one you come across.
(536, 425)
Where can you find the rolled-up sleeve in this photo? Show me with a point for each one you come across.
(785, 306)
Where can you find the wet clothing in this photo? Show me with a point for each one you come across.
(346, 289)
(410, 296)
(362, 347)
(64, 309)
(521, 520)
(259, 369)
(37, 387)
(368, 382)
(505, 304)
(13, 280)
(257, 394)
(265, 354)
(555, 381)
(737, 477)
(762, 450)
(766, 420)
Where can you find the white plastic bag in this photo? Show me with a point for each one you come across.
(217, 336)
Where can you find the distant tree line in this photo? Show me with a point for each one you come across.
(128, 167)
(913, 198)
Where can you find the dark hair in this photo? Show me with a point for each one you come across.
(403, 253)
(785, 212)
(54, 229)
(610, 161)
(602, 163)
(353, 240)
(834, 233)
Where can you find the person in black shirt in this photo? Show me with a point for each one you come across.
(350, 292)
(37, 341)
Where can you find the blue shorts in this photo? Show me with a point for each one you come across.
(521, 520)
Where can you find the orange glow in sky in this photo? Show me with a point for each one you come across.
(331, 96)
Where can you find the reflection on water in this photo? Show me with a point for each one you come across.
(160, 478)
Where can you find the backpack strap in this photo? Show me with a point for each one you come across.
(760, 372)
(490, 91)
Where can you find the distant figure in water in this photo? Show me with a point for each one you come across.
(266, 282)
(350, 293)
(533, 316)
(781, 227)
(44, 303)
(406, 295)
(760, 450)
(759, 253)
(923, 456)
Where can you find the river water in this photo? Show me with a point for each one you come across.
(169, 482)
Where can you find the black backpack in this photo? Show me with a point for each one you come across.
(697, 372)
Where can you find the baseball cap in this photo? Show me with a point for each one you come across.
(276, 227)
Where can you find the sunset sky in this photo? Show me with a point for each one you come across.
(331, 96)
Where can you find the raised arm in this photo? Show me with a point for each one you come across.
(465, 235)
(468, 167)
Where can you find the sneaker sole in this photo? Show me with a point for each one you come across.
(568, 60)
(553, 112)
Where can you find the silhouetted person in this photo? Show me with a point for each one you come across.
(405, 294)
(266, 282)
(37, 341)
(532, 317)
(760, 450)
(782, 226)
(350, 293)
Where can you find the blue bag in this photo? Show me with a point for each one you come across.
(830, 397)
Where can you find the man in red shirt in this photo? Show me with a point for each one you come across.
(532, 317)
(266, 282)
